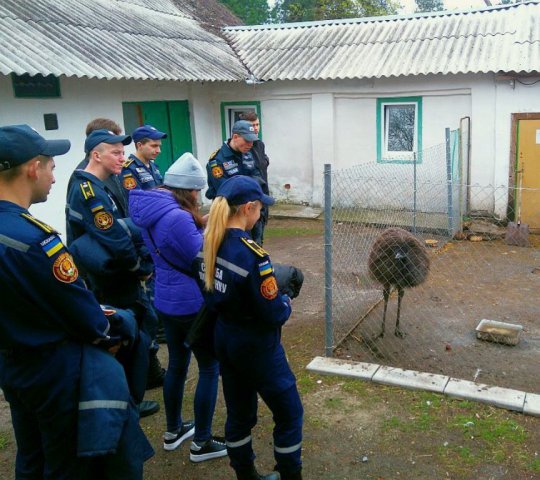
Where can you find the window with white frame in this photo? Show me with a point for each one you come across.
(399, 129)
(231, 111)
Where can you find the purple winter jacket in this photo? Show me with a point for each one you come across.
(178, 240)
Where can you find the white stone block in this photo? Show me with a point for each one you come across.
(532, 404)
(335, 366)
(411, 379)
(500, 397)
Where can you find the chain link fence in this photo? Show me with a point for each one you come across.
(476, 270)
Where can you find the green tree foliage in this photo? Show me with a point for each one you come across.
(285, 11)
(429, 5)
(251, 12)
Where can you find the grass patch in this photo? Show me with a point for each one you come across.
(465, 433)
(4, 440)
(293, 231)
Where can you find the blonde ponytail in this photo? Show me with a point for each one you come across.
(220, 213)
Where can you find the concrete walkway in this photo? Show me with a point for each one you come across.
(286, 210)
(523, 402)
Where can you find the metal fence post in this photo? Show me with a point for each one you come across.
(329, 336)
(414, 192)
(449, 182)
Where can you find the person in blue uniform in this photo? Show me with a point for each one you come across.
(241, 287)
(98, 224)
(258, 150)
(236, 157)
(53, 333)
(140, 170)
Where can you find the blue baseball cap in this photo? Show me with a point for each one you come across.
(104, 136)
(20, 143)
(241, 189)
(245, 130)
(147, 131)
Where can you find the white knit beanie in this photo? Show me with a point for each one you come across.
(186, 173)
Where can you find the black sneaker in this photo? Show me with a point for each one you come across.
(213, 448)
(172, 440)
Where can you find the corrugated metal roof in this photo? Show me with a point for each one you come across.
(112, 39)
(498, 39)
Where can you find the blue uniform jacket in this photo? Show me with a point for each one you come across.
(246, 294)
(251, 311)
(226, 163)
(91, 210)
(135, 174)
(43, 299)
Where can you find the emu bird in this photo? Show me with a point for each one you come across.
(397, 259)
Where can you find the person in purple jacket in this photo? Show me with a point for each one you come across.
(172, 228)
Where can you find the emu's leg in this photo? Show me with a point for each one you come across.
(386, 295)
(397, 331)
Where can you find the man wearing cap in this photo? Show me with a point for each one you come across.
(107, 244)
(235, 158)
(53, 334)
(140, 171)
(113, 182)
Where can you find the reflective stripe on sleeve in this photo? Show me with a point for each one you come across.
(12, 243)
(232, 267)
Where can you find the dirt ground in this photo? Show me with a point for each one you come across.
(467, 282)
(352, 429)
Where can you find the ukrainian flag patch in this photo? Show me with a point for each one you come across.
(52, 245)
(96, 206)
(265, 268)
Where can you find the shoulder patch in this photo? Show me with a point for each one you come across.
(269, 288)
(87, 190)
(38, 223)
(214, 153)
(261, 252)
(217, 171)
(127, 163)
(265, 268)
(52, 245)
(103, 220)
(129, 181)
(64, 268)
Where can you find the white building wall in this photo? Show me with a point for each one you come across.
(305, 123)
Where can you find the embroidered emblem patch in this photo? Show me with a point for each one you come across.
(269, 288)
(265, 268)
(217, 171)
(64, 269)
(103, 220)
(129, 182)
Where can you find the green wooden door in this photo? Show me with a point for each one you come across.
(171, 117)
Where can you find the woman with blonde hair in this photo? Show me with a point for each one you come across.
(241, 287)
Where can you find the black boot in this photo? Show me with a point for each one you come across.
(249, 473)
(297, 475)
(156, 374)
(147, 408)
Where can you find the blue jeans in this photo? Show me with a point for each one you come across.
(176, 330)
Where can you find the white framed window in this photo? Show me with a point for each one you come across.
(399, 129)
(231, 111)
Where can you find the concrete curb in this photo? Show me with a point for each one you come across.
(523, 402)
